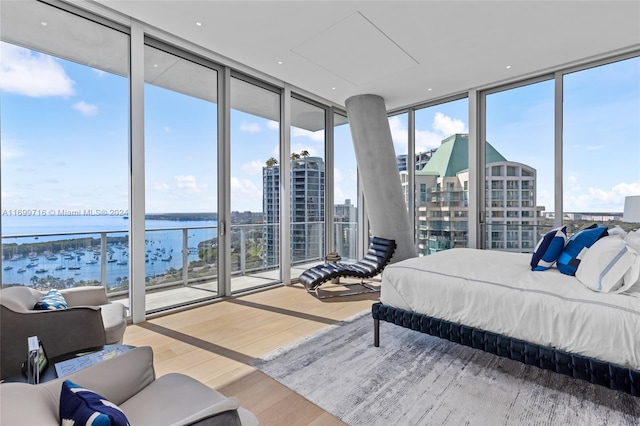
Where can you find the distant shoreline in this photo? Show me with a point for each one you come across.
(180, 216)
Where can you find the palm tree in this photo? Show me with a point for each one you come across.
(295, 156)
(271, 162)
(304, 153)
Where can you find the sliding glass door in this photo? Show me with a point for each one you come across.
(181, 197)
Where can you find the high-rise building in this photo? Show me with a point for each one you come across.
(307, 210)
(421, 160)
(345, 236)
(442, 200)
(271, 212)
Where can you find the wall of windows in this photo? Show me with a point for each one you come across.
(213, 141)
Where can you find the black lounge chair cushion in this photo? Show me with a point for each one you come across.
(378, 256)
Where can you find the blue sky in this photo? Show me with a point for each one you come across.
(65, 135)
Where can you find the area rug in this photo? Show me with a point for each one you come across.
(417, 379)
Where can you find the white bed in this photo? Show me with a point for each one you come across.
(497, 292)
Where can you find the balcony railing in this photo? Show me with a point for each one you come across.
(174, 257)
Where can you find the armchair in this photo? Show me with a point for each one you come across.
(128, 381)
(89, 321)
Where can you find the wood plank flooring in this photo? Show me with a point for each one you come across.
(216, 344)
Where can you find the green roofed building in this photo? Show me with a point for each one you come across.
(442, 200)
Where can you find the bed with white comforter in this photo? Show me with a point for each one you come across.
(498, 292)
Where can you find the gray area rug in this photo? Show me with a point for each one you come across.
(417, 379)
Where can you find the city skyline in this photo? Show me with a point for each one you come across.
(65, 140)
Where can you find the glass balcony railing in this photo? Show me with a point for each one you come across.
(175, 258)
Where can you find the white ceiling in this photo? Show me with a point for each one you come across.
(405, 51)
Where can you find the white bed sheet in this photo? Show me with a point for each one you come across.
(497, 291)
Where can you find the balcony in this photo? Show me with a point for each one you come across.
(63, 260)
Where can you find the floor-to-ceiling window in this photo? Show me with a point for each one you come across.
(181, 191)
(307, 174)
(441, 176)
(601, 143)
(519, 166)
(345, 191)
(255, 185)
(65, 136)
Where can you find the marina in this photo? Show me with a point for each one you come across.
(58, 256)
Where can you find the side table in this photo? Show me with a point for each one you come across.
(49, 372)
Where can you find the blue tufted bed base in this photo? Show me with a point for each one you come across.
(592, 370)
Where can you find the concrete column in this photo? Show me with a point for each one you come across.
(378, 168)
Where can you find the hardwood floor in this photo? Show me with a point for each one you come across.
(216, 344)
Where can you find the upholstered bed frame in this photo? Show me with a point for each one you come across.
(595, 371)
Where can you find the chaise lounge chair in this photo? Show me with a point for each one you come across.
(378, 256)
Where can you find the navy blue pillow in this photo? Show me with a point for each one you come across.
(573, 252)
(51, 301)
(81, 406)
(548, 249)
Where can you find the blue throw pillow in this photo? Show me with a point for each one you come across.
(577, 246)
(51, 301)
(80, 406)
(548, 249)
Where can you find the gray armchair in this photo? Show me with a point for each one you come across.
(89, 321)
(128, 381)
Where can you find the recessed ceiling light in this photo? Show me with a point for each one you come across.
(199, 24)
(279, 62)
(155, 65)
(333, 88)
(43, 23)
(508, 66)
(429, 89)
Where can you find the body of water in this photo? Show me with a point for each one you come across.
(163, 247)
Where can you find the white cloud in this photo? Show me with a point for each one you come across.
(298, 148)
(167, 129)
(246, 195)
(273, 125)
(32, 74)
(399, 134)
(595, 147)
(442, 127)
(161, 186)
(317, 136)
(9, 150)
(598, 199)
(447, 126)
(250, 127)
(337, 176)
(85, 108)
(189, 183)
(254, 167)
(427, 140)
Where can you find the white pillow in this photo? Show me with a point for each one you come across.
(633, 239)
(606, 264)
(617, 231)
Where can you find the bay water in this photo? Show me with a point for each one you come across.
(163, 241)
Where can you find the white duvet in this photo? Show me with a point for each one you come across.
(497, 291)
